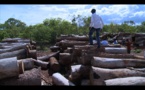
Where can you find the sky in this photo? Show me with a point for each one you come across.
(32, 14)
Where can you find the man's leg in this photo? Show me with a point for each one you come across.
(98, 36)
(90, 36)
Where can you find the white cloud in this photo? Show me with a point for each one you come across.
(139, 13)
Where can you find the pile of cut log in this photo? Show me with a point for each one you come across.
(17, 66)
(73, 62)
(87, 65)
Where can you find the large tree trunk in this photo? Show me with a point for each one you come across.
(126, 81)
(105, 73)
(117, 63)
(47, 57)
(13, 48)
(20, 54)
(30, 77)
(9, 67)
(114, 50)
(60, 80)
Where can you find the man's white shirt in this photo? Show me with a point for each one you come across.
(96, 21)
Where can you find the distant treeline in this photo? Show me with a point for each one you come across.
(49, 29)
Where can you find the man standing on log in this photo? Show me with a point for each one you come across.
(96, 24)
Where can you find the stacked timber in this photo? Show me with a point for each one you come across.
(84, 64)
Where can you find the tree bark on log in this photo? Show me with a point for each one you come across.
(115, 50)
(53, 64)
(20, 54)
(60, 80)
(9, 68)
(28, 63)
(74, 38)
(105, 73)
(107, 55)
(117, 63)
(13, 48)
(65, 44)
(28, 78)
(5, 47)
(42, 64)
(47, 57)
(126, 81)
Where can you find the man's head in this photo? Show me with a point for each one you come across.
(93, 11)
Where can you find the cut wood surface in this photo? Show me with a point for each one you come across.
(54, 64)
(117, 63)
(20, 54)
(28, 63)
(21, 67)
(126, 81)
(28, 78)
(75, 72)
(9, 68)
(115, 50)
(60, 80)
(32, 54)
(65, 59)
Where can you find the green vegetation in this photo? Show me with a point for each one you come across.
(137, 50)
(50, 29)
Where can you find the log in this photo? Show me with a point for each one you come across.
(53, 64)
(42, 64)
(116, 55)
(9, 68)
(126, 81)
(47, 57)
(54, 48)
(28, 78)
(69, 50)
(13, 48)
(5, 47)
(75, 73)
(85, 59)
(105, 73)
(20, 54)
(65, 59)
(60, 80)
(114, 50)
(28, 63)
(117, 63)
(74, 38)
(32, 54)
(66, 43)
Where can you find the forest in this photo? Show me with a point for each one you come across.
(50, 29)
